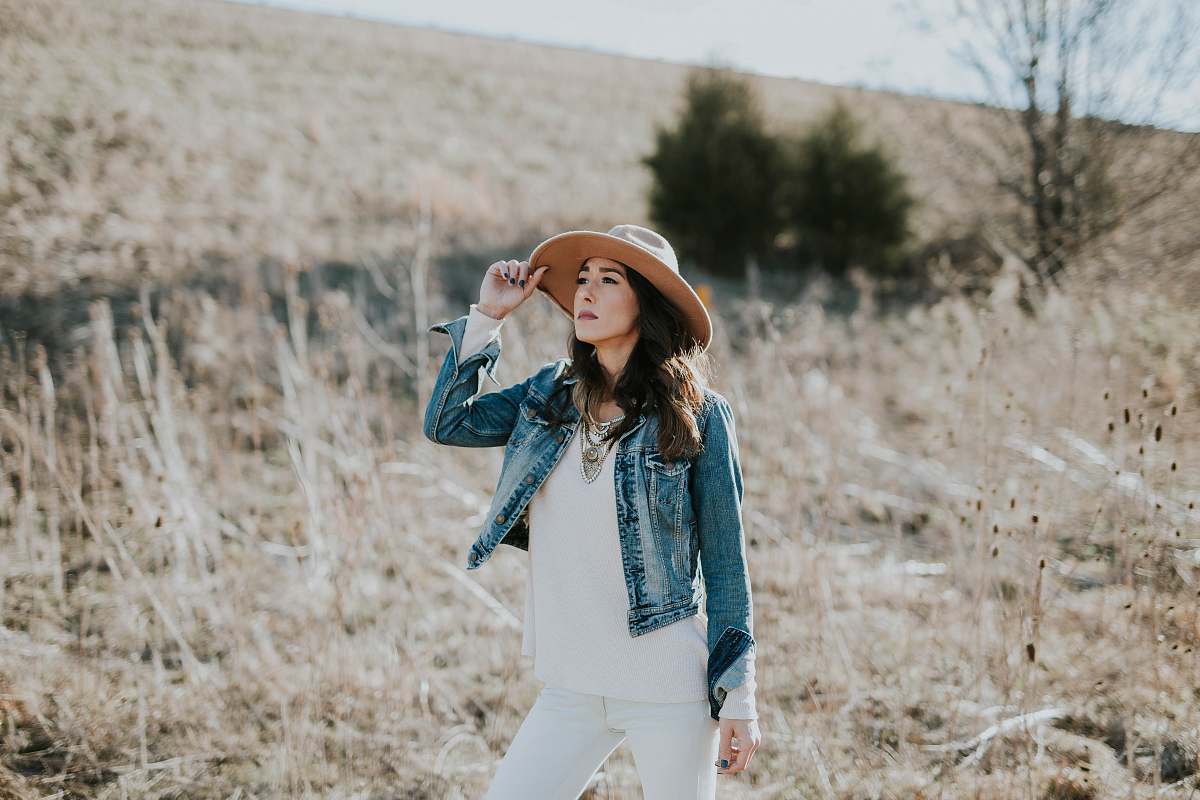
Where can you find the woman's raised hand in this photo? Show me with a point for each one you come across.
(506, 285)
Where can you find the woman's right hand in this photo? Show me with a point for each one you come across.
(506, 285)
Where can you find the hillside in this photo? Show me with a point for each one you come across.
(157, 138)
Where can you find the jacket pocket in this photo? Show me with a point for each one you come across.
(666, 486)
(530, 424)
(668, 498)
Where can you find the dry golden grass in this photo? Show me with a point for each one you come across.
(232, 565)
(253, 581)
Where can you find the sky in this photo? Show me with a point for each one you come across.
(876, 44)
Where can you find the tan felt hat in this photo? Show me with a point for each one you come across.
(636, 247)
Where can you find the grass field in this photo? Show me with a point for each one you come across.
(233, 567)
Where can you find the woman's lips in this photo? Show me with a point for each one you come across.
(586, 315)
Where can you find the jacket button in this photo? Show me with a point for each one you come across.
(529, 479)
(500, 519)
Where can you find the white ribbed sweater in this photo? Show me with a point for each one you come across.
(576, 606)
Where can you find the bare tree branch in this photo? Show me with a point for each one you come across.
(1077, 177)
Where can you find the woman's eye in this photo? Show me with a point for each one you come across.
(606, 278)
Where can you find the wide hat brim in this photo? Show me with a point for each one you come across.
(565, 253)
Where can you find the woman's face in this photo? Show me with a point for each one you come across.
(606, 307)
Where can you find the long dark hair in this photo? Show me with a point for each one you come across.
(663, 376)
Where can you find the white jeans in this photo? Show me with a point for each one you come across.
(567, 735)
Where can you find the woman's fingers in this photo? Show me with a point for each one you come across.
(536, 278)
(737, 762)
(741, 755)
(513, 274)
(724, 751)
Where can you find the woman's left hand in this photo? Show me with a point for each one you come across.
(738, 756)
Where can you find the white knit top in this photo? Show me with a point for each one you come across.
(576, 605)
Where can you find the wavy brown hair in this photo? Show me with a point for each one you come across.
(664, 374)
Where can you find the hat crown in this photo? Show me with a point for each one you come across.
(648, 240)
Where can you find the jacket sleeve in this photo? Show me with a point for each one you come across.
(455, 415)
(716, 490)
(480, 330)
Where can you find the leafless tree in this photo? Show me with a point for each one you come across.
(1084, 137)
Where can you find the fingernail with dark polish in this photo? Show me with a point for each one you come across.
(522, 283)
(512, 280)
(724, 763)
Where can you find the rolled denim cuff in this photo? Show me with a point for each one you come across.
(480, 330)
(730, 665)
(455, 359)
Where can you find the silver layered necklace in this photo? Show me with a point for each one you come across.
(595, 449)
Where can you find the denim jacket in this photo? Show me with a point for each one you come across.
(679, 521)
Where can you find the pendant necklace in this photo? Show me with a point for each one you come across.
(594, 448)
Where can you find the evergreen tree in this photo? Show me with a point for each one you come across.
(845, 201)
(715, 190)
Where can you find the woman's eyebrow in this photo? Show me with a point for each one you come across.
(604, 269)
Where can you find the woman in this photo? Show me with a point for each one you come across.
(621, 478)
